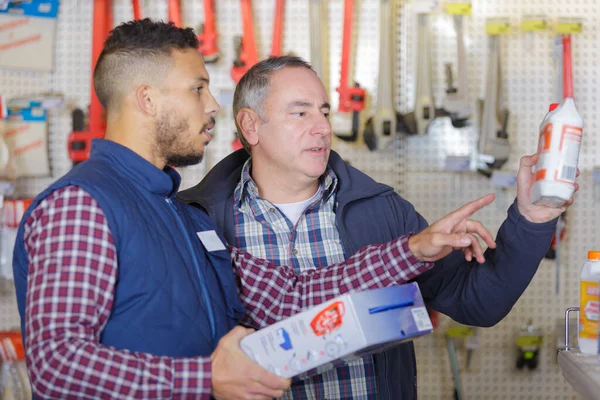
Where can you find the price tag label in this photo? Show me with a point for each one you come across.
(568, 27)
(534, 25)
(460, 331)
(529, 341)
(459, 8)
(497, 26)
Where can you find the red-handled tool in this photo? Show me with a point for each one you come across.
(208, 36)
(174, 12)
(567, 67)
(137, 9)
(566, 76)
(247, 54)
(352, 98)
(80, 140)
(276, 44)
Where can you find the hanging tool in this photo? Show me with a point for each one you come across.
(208, 35)
(529, 343)
(318, 40)
(565, 89)
(276, 44)
(174, 12)
(471, 343)
(80, 140)
(458, 392)
(246, 53)
(352, 98)
(456, 103)
(493, 139)
(207, 38)
(137, 9)
(381, 128)
(417, 121)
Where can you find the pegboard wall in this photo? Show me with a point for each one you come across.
(415, 165)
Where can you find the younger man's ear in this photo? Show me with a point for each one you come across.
(144, 97)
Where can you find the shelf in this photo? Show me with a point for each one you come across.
(582, 371)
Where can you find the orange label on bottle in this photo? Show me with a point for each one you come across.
(589, 309)
(545, 139)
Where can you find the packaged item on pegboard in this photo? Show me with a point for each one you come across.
(26, 135)
(27, 34)
(12, 213)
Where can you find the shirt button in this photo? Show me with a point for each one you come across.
(272, 209)
(295, 251)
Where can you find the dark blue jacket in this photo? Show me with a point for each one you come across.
(369, 212)
(172, 297)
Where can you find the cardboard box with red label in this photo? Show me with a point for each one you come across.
(345, 328)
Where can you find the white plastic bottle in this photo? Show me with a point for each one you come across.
(558, 147)
(589, 304)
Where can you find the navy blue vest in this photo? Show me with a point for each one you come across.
(173, 297)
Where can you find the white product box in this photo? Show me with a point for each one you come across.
(347, 327)
(26, 135)
(27, 34)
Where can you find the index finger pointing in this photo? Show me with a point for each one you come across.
(471, 208)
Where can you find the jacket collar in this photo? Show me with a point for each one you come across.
(220, 183)
(162, 182)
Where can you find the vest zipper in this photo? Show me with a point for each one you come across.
(209, 307)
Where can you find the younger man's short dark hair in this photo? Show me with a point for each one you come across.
(137, 52)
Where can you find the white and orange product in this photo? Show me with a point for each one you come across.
(558, 149)
(27, 34)
(559, 143)
(589, 304)
(26, 135)
(346, 327)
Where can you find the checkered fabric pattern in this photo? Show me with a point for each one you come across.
(70, 293)
(314, 241)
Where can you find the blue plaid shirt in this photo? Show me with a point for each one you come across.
(265, 232)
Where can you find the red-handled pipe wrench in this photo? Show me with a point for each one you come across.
(208, 36)
(352, 98)
(247, 54)
(276, 44)
(137, 9)
(174, 12)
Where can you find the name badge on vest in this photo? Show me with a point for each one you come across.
(211, 240)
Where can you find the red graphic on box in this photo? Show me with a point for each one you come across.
(328, 319)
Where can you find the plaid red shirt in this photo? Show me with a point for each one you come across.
(70, 291)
